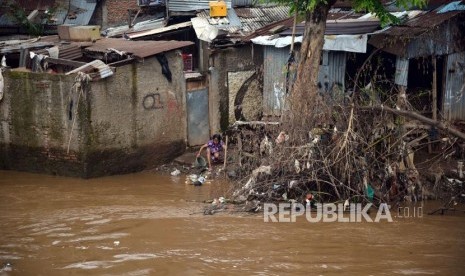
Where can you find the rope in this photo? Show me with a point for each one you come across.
(79, 85)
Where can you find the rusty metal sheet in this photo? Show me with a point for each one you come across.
(140, 49)
(189, 5)
(454, 100)
(69, 52)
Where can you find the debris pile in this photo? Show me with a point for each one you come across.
(353, 155)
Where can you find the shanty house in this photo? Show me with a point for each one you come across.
(429, 53)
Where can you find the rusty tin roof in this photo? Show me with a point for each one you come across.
(140, 49)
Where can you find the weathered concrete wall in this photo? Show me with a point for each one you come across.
(245, 58)
(138, 117)
(245, 96)
(36, 124)
(130, 121)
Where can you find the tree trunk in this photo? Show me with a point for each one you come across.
(305, 104)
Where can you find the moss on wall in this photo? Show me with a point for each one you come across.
(113, 132)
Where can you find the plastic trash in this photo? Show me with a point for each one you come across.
(293, 183)
(297, 166)
(199, 181)
(193, 177)
(7, 267)
(116, 243)
(370, 192)
(346, 205)
(176, 172)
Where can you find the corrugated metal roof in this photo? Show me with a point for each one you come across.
(80, 12)
(40, 45)
(189, 5)
(431, 19)
(254, 18)
(423, 35)
(70, 52)
(97, 69)
(346, 25)
(159, 30)
(140, 49)
(339, 27)
(266, 29)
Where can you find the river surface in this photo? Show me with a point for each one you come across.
(152, 224)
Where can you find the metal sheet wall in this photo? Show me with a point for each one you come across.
(332, 72)
(274, 79)
(189, 5)
(401, 75)
(454, 100)
(331, 78)
(198, 130)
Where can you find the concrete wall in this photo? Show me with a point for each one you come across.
(222, 62)
(138, 118)
(132, 120)
(36, 126)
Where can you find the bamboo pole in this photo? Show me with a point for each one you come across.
(225, 153)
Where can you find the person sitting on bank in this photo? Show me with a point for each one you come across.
(215, 147)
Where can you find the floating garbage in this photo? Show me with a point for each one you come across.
(199, 181)
(297, 166)
(116, 243)
(176, 172)
(293, 183)
(193, 177)
(6, 267)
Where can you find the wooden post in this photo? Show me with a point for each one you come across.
(239, 148)
(225, 153)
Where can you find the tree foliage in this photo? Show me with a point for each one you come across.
(374, 6)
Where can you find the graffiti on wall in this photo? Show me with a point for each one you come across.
(152, 101)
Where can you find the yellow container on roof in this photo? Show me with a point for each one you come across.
(218, 9)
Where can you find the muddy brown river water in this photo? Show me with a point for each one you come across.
(143, 224)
